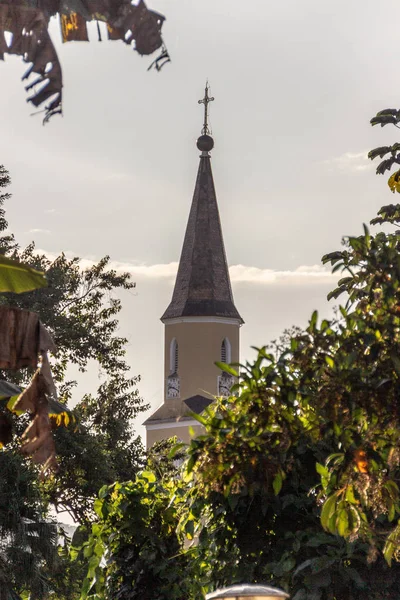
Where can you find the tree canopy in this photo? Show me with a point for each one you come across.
(80, 308)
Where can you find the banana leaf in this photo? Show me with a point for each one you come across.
(17, 278)
(58, 412)
(8, 389)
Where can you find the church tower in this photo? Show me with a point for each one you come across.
(201, 322)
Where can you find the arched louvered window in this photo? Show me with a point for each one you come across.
(223, 351)
(226, 351)
(173, 356)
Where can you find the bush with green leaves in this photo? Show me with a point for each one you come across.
(134, 551)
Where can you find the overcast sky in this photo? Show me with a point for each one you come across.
(295, 84)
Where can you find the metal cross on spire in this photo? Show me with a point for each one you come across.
(206, 100)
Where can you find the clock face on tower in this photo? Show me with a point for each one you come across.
(225, 382)
(173, 386)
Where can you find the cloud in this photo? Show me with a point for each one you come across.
(350, 161)
(46, 231)
(301, 275)
(159, 271)
(240, 274)
(49, 211)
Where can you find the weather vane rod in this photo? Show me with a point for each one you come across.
(206, 100)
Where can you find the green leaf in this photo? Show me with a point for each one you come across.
(391, 510)
(342, 523)
(287, 565)
(176, 448)
(149, 475)
(189, 529)
(381, 151)
(391, 545)
(335, 293)
(322, 470)
(313, 321)
(337, 458)
(9, 404)
(190, 464)
(104, 491)
(98, 504)
(350, 495)
(227, 368)
(18, 278)
(198, 418)
(277, 483)
(332, 257)
(329, 361)
(328, 510)
(344, 281)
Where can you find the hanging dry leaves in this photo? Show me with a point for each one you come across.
(23, 339)
(37, 439)
(26, 23)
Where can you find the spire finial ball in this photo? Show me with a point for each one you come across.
(205, 143)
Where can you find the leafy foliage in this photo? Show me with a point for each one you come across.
(27, 537)
(388, 116)
(6, 241)
(133, 551)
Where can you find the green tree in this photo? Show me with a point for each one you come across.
(28, 539)
(80, 309)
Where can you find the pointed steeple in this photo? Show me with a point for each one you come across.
(202, 287)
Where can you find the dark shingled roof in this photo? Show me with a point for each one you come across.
(198, 403)
(174, 410)
(202, 286)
